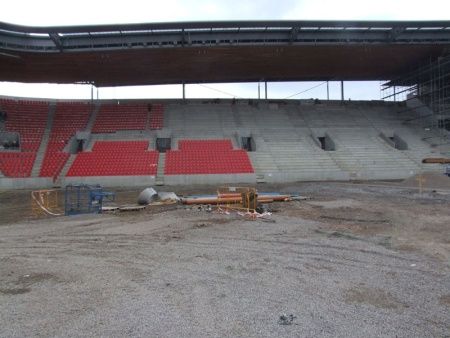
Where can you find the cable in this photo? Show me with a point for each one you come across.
(218, 90)
(306, 90)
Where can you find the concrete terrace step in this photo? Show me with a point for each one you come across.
(93, 117)
(160, 169)
(44, 142)
(66, 168)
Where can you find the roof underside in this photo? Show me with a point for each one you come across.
(218, 52)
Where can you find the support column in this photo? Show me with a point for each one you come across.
(259, 90)
(265, 88)
(342, 90)
(184, 90)
(328, 90)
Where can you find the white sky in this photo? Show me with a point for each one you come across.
(83, 12)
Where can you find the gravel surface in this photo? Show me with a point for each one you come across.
(356, 261)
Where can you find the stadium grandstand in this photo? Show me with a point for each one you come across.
(129, 142)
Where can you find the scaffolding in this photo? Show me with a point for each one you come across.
(429, 87)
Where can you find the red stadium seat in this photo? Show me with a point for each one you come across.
(70, 117)
(206, 157)
(116, 158)
(156, 116)
(112, 118)
(28, 119)
(17, 164)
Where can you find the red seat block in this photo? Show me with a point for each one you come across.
(70, 117)
(28, 119)
(207, 157)
(116, 158)
(112, 118)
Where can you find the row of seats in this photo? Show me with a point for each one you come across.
(112, 118)
(156, 116)
(15, 164)
(28, 118)
(107, 147)
(53, 164)
(116, 158)
(206, 157)
(70, 117)
(205, 145)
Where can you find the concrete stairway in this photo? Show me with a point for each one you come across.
(93, 117)
(419, 149)
(301, 160)
(262, 160)
(263, 164)
(363, 154)
(149, 117)
(294, 157)
(160, 170)
(44, 142)
(66, 168)
(236, 117)
(284, 144)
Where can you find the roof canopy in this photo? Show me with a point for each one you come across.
(195, 52)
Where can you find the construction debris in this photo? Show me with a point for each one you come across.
(438, 160)
(255, 215)
(110, 208)
(264, 197)
(132, 208)
(245, 201)
(150, 196)
(165, 196)
(286, 319)
(147, 196)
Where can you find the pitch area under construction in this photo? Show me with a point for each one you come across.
(355, 260)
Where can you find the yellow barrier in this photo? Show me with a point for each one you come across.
(45, 202)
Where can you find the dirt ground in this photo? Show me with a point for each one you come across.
(356, 260)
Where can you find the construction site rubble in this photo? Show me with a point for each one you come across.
(147, 196)
(286, 319)
(150, 196)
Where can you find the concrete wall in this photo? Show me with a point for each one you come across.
(8, 183)
(380, 174)
(106, 181)
(399, 143)
(209, 179)
(146, 181)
